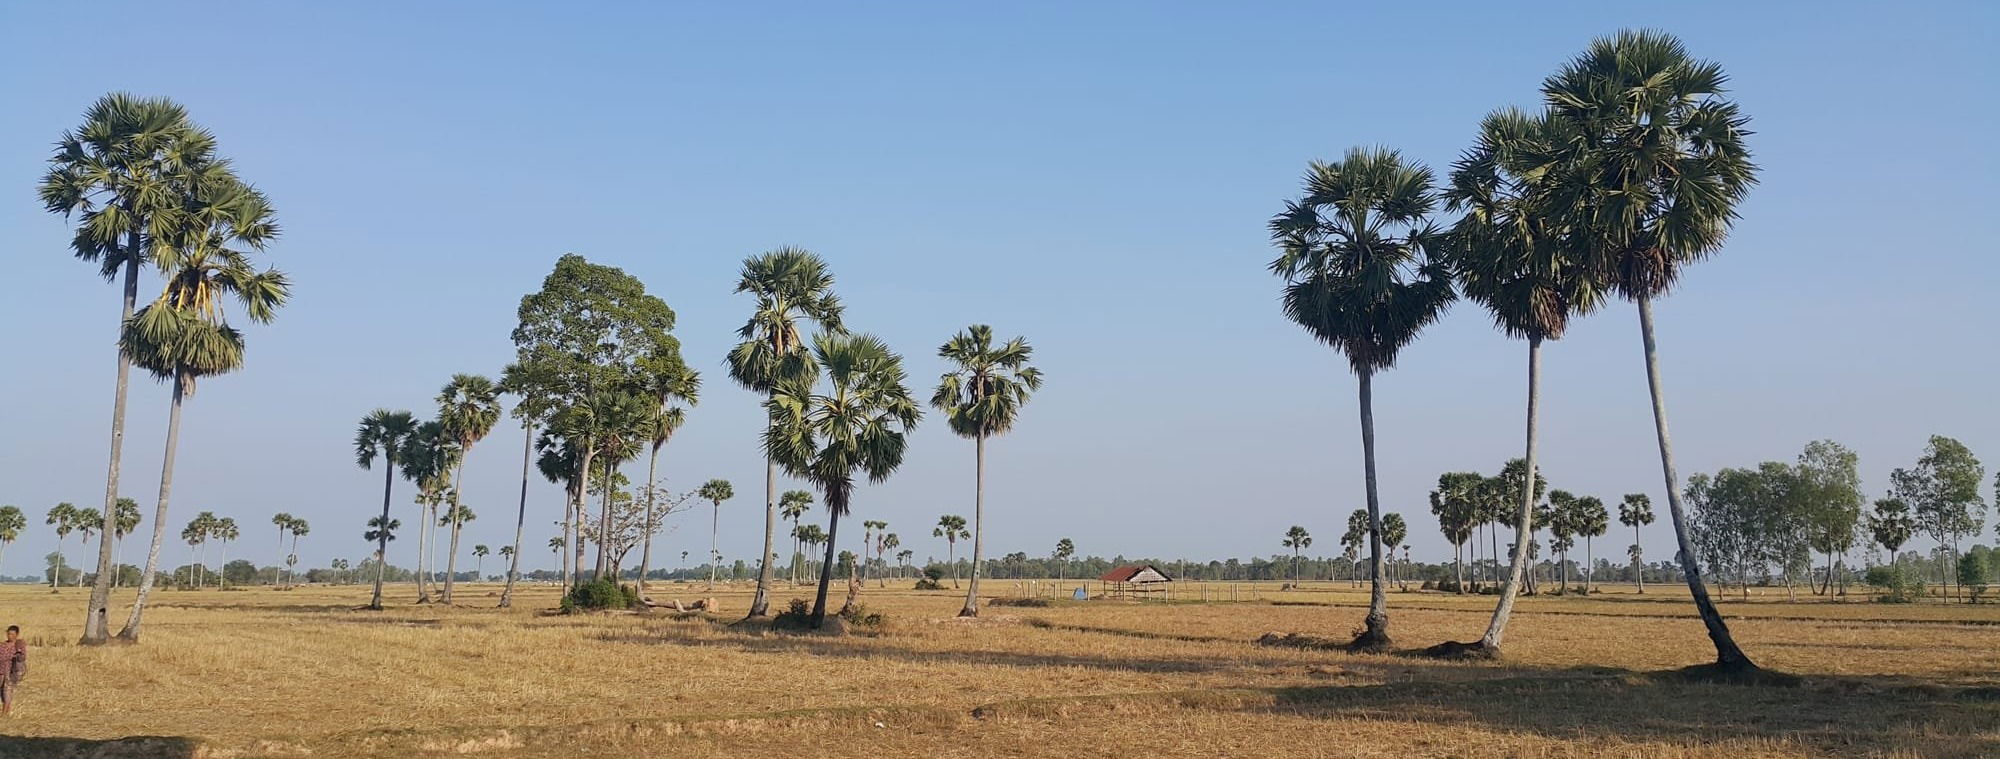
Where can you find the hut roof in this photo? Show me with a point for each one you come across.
(1136, 573)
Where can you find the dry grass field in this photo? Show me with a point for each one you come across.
(262, 672)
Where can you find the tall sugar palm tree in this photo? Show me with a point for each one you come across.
(1065, 548)
(381, 530)
(793, 505)
(530, 384)
(1592, 519)
(1635, 511)
(715, 492)
(981, 397)
(479, 559)
(951, 527)
(560, 461)
(384, 435)
(468, 407)
(224, 530)
(1455, 503)
(127, 173)
(790, 285)
(857, 424)
(298, 528)
(870, 530)
(668, 380)
(183, 337)
(1513, 256)
(12, 522)
(1358, 257)
(61, 516)
(883, 545)
(1665, 163)
(427, 459)
(283, 521)
(124, 521)
(1298, 540)
(621, 421)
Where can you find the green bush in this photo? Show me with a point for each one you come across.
(859, 616)
(1900, 584)
(932, 576)
(598, 595)
(796, 616)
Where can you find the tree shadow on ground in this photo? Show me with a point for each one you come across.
(135, 747)
(856, 647)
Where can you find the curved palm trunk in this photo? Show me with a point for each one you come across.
(520, 521)
(131, 632)
(381, 535)
(1727, 655)
(646, 551)
(451, 558)
(96, 622)
(760, 604)
(826, 567)
(1376, 631)
(1524, 519)
(1589, 564)
(978, 527)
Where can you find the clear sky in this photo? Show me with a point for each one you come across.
(1094, 176)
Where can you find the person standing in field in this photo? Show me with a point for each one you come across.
(13, 666)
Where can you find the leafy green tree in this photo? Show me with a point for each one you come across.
(468, 407)
(951, 527)
(715, 492)
(1636, 511)
(1828, 480)
(1297, 539)
(1511, 255)
(1943, 493)
(1972, 574)
(790, 286)
(668, 380)
(857, 424)
(1665, 165)
(1453, 504)
(384, 435)
(1357, 254)
(61, 516)
(12, 522)
(982, 397)
(583, 337)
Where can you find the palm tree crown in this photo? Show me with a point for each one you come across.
(1358, 255)
(859, 423)
(790, 284)
(983, 395)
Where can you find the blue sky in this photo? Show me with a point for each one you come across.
(1094, 176)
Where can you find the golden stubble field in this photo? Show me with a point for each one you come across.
(262, 672)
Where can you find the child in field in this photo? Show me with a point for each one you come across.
(13, 665)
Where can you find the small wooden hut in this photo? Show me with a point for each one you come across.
(1135, 581)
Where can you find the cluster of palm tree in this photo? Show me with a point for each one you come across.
(199, 531)
(149, 190)
(1465, 503)
(1630, 170)
(296, 528)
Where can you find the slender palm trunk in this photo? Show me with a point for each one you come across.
(520, 520)
(760, 604)
(55, 580)
(826, 567)
(646, 551)
(425, 515)
(1727, 655)
(951, 557)
(564, 555)
(131, 631)
(714, 525)
(1524, 519)
(1589, 564)
(1458, 566)
(1493, 553)
(451, 558)
(604, 525)
(381, 535)
(1376, 631)
(1638, 565)
(96, 623)
(978, 526)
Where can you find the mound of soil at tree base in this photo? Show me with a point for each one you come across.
(1298, 640)
(1452, 649)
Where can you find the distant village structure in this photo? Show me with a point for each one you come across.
(1135, 581)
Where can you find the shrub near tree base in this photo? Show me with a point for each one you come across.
(598, 595)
